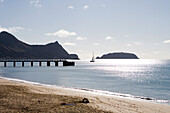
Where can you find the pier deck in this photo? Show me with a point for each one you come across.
(56, 61)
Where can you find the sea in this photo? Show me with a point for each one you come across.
(140, 79)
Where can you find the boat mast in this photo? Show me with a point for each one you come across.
(93, 56)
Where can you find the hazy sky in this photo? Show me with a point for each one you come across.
(85, 26)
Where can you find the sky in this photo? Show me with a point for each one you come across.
(86, 26)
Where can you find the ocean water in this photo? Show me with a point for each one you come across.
(140, 79)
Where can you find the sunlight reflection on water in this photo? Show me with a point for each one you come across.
(135, 70)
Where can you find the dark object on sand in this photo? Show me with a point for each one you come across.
(68, 103)
(85, 100)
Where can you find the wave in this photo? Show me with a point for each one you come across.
(129, 96)
(100, 92)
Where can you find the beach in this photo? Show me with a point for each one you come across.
(26, 97)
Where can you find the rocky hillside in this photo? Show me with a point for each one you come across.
(11, 47)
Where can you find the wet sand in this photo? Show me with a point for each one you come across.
(24, 97)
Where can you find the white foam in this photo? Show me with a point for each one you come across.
(97, 92)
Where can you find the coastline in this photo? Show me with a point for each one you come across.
(27, 97)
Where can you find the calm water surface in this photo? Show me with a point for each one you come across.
(143, 78)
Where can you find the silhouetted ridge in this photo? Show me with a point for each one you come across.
(11, 47)
(119, 55)
(7, 38)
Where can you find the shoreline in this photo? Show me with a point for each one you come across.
(98, 103)
(97, 92)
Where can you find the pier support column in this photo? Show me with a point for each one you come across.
(56, 63)
(22, 63)
(4, 64)
(32, 64)
(66, 63)
(48, 63)
(73, 63)
(40, 63)
(14, 63)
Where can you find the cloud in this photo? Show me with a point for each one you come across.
(35, 3)
(1, 0)
(69, 44)
(166, 41)
(103, 5)
(70, 7)
(133, 44)
(137, 43)
(11, 29)
(127, 36)
(108, 38)
(156, 52)
(62, 33)
(81, 38)
(129, 45)
(96, 44)
(156, 44)
(86, 6)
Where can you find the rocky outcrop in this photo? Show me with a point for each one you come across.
(119, 55)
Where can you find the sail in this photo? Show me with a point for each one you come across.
(93, 59)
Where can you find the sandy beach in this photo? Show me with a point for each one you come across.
(24, 97)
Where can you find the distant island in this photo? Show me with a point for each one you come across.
(11, 47)
(118, 55)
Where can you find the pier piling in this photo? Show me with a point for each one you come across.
(14, 63)
(48, 63)
(56, 63)
(4, 64)
(32, 64)
(40, 63)
(22, 63)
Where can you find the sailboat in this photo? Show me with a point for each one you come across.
(93, 59)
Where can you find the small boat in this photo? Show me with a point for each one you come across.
(93, 59)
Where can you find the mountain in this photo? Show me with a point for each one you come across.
(119, 55)
(11, 47)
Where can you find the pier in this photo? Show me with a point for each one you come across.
(48, 61)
